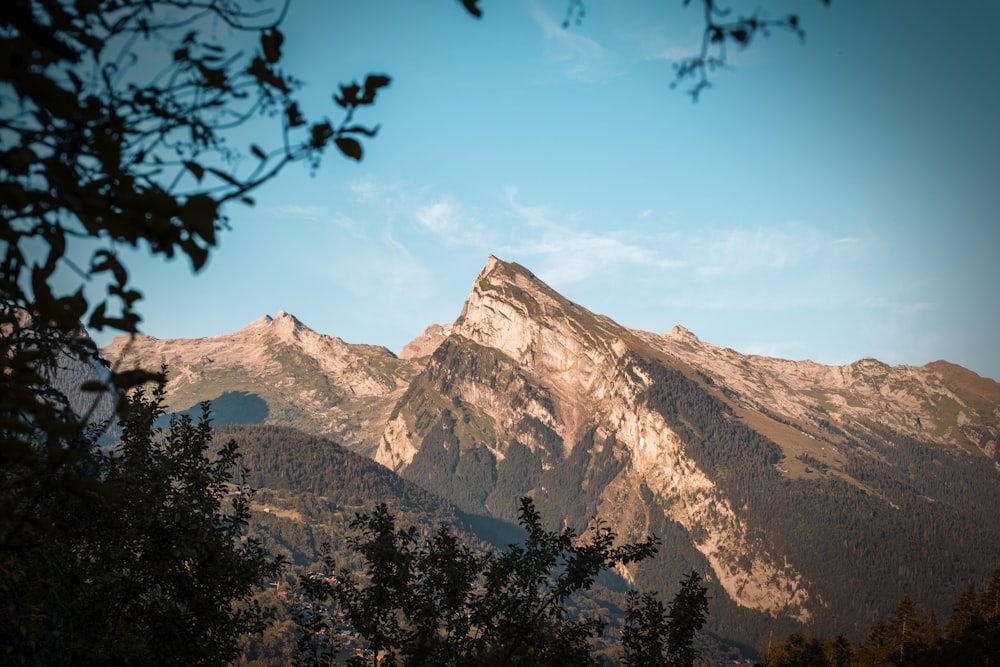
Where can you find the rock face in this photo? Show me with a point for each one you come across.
(425, 344)
(558, 377)
(809, 495)
(277, 370)
(757, 467)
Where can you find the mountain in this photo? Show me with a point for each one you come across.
(278, 371)
(812, 497)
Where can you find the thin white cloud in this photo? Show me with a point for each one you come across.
(738, 250)
(572, 256)
(368, 189)
(583, 57)
(897, 308)
(439, 217)
(568, 254)
(452, 221)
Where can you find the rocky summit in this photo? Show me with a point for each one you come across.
(810, 496)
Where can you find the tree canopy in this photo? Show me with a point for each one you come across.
(134, 554)
(435, 601)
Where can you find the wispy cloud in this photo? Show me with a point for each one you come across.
(568, 253)
(369, 190)
(450, 220)
(440, 217)
(898, 308)
(571, 256)
(584, 58)
(738, 250)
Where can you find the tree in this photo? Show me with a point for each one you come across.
(798, 651)
(653, 635)
(108, 139)
(439, 602)
(113, 123)
(144, 560)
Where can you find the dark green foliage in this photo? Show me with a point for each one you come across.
(572, 490)
(139, 555)
(434, 601)
(971, 639)
(310, 487)
(715, 437)
(517, 474)
(114, 122)
(799, 651)
(653, 635)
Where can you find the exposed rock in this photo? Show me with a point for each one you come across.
(425, 344)
(314, 382)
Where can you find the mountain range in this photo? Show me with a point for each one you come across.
(811, 496)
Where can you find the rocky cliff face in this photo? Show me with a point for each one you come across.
(555, 373)
(534, 394)
(808, 494)
(277, 370)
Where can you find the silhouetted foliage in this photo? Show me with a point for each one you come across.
(971, 639)
(654, 635)
(138, 554)
(436, 601)
(721, 30)
(108, 139)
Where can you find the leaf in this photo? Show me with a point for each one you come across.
(265, 76)
(103, 261)
(741, 35)
(97, 317)
(349, 147)
(321, 133)
(271, 41)
(472, 6)
(372, 85)
(197, 254)
(348, 95)
(195, 169)
(198, 215)
(294, 115)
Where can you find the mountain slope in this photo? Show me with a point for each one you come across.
(277, 371)
(769, 469)
(811, 496)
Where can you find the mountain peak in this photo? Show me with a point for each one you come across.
(425, 344)
(682, 333)
(506, 306)
(284, 324)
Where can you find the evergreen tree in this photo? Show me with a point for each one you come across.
(798, 651)
(145, 560)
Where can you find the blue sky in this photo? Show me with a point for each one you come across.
(831, 200)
